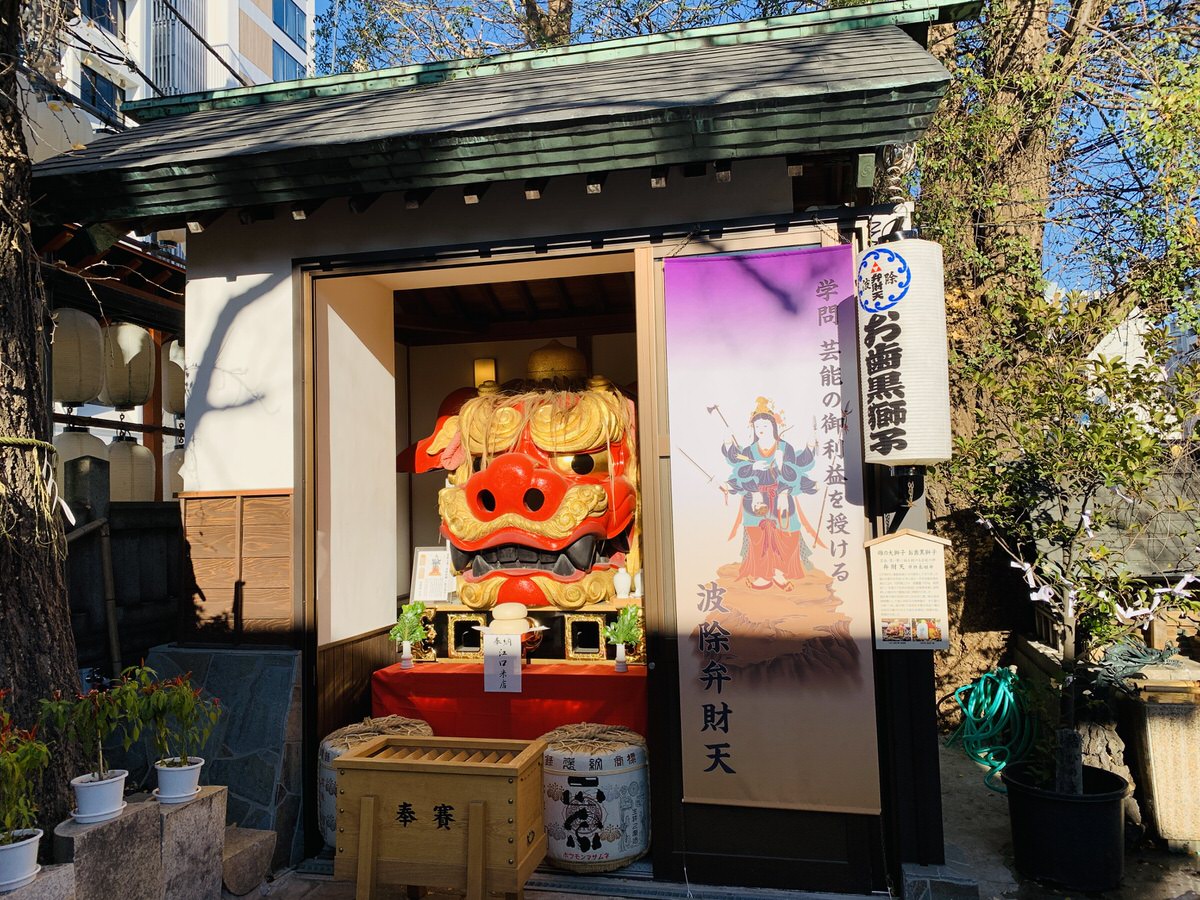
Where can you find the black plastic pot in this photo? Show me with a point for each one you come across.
(1073, 840)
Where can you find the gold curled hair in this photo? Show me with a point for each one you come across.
(559, 422)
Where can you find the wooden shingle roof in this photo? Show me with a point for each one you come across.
(589, 112)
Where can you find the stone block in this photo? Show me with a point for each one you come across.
(52, 883)
(120, 858)
(246, 860)
(193, 835)
(936, 883)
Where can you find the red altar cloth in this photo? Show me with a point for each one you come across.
(450, 697)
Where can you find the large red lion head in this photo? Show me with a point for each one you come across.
(541, 503)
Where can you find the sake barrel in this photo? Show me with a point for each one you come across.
(338, 742)
(597, 799)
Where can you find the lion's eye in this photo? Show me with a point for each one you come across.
(476, 463)
(582, 463)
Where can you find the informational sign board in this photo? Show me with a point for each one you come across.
(908, 591)
(776, 690)
(502, 663)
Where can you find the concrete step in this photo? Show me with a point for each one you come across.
(246, 860)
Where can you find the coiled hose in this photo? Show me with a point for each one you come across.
(997, 728)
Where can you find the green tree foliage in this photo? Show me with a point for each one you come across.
(1066, 151)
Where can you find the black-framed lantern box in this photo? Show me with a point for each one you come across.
(572, 636)
(460, 813)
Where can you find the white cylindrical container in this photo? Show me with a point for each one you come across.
(131, 470)
(129, 366)
(597, 800)
(172, 473)
(902, 354)
(338, 742)
(174, 377)
(76, 360)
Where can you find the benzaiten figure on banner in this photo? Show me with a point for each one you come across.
(769, 475)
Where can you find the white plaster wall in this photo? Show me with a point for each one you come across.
(404, 541)
(241, 419)
(356, 535)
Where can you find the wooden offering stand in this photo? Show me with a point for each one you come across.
(458, 813)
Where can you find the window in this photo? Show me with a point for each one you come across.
(107, 14)
(291, 19)
(104, 95)
(284, 65)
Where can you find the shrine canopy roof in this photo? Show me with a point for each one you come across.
(851, 78)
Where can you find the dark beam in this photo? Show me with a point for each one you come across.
(360, 203)
(301, 211)
(535, 187)
(695, 170)
(440, 325)
(92, 422)
(519, 329)
(251, 214)
(414, 198)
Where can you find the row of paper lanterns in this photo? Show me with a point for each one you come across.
(114, 365)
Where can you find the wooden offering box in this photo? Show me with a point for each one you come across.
(460, 813)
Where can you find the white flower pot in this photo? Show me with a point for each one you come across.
(406, 659)
(622, 666)
(98, 801)
(178, 784)
(18, 860)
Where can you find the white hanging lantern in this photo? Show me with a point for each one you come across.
(73, 444)
(172, 476)
(131, 471)
(76, 360)
(173, 378)
(903, 358)
(128, 366)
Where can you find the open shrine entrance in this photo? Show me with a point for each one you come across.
(396, 343)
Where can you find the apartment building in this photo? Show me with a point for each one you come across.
(121, 50)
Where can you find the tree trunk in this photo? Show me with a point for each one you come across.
(37, 648)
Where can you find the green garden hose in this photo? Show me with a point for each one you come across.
(997, 728)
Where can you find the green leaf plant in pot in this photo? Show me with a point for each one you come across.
(627, 629)
(1072, 464)
(91, 720)
(180, 720)
(409, 629)
(23, 758)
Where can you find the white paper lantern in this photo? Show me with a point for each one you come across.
(903, 357)
(131, 470)
(72, 444)
(128, 366)
(173, 378)
(172, 477)
(76, 360)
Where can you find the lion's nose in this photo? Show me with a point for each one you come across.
(514, 483)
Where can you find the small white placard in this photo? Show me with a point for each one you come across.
(432, 578)
(908, 591)
(502, 663)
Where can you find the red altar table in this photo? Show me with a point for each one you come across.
(450, 697)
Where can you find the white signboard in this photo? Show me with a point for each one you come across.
(908, 591)
(432, 577)
(501, 663)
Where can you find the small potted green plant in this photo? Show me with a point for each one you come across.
(180, 720)
(22, 759)
(90, 720)
(627, 629)
(409, 629)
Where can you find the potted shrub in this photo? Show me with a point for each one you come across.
(1067, 455)
(90, 720)
(409, 629)
(22, 759)
(180, 720)
(625, 630)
